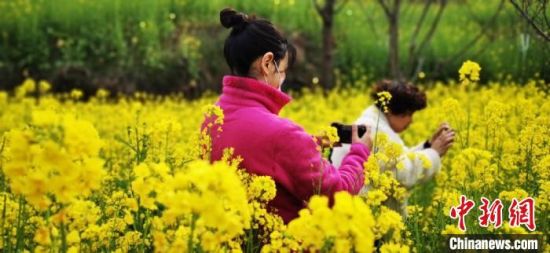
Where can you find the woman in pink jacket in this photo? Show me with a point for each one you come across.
(251, 99)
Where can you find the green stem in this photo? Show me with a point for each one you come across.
(63, 238)
(469, 116)
(376, 132)
(3, 237)
(190, 240)
(416, 232)
(20, 234)
(249, 243)
(468, 128)
(528, 159)
(138, 151)
(487, 136)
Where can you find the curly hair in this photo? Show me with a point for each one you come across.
(406, 98)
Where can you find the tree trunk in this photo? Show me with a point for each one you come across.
(328, 43)
(327, 12)
(392, 13)
(394, 46)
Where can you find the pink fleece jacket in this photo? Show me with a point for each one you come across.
(277, 147)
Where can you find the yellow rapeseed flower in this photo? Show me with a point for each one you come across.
(469, 72)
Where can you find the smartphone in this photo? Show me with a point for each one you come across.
(344, 131)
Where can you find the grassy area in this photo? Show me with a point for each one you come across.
(176, 45)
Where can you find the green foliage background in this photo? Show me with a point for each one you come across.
(176, 45)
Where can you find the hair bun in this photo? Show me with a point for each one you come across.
(231, 18)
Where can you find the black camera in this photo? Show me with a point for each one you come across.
(344, 131)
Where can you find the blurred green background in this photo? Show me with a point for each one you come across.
(166, 46)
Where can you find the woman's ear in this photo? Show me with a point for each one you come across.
(264, 63)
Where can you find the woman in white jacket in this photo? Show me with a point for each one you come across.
(406, 100)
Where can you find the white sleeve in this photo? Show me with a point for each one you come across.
(418, 147)
(413, 171)
(338, 154)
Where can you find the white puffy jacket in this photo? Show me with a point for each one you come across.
(413, 172)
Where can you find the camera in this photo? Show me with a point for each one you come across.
(344, 131)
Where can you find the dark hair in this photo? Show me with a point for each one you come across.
(406, 98)
(250, 39)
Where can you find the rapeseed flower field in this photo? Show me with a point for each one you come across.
(129, 174)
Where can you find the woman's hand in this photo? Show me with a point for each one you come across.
(324, 142)
(442, 127)
(443, 141)
(365, 139)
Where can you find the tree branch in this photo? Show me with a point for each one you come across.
(396, 6)
(412, 43)
(434, 25)
(479, 35)
(530, 21)
(413, 54)
(369, 19)
(544, 12)
(341, 6)
(317, 7)
(385, 7)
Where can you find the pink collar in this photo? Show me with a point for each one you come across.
(249, 91)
